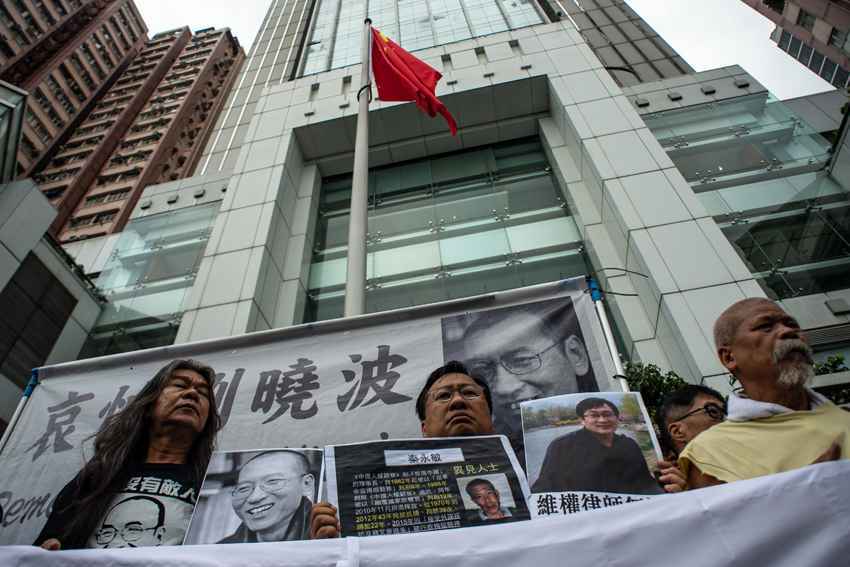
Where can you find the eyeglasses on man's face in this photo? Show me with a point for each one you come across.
(269, 485)
(599, 415)
(517, 362)
(713, 411)
(467, 391)
(130, 533)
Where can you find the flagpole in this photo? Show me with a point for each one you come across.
(355, 283)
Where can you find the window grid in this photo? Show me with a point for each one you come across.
(414, 24)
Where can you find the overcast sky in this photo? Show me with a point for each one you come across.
(707, 33)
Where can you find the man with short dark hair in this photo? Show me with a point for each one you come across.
(488, 499)
(685, 413)
(453, 403)
(777, 424)
(595, 458)
(273, 497)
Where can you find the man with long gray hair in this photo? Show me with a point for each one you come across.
(149, 459)
(778, 423)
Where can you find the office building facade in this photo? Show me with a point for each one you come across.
(65, 53)
(148, 128)
(665, 190)
(814, 32)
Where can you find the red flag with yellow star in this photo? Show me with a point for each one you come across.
(400, 76)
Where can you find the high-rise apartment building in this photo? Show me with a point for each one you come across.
(814, 32)
(681, 194)
(65, 53)
(150, 127)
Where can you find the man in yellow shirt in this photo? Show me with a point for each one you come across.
(777, 423)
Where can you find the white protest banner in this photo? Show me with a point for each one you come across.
(313, 385)
(793, 519)
(589, 451)
(418, 485)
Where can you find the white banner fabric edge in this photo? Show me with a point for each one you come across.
(786, 520)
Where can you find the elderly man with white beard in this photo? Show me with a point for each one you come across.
(777, 423)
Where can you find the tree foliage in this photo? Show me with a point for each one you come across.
(652, 383)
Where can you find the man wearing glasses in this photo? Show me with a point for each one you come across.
(686, 413)
(595, 458)
(453, 403)
(138, 521)
(273, 497)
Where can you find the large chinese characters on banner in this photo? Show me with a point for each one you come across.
(314, 386)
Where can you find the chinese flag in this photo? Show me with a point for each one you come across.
(401, 76)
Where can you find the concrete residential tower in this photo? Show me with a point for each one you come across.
(814, 32)
(148, 128)
(65, 54)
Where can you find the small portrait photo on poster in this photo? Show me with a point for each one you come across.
(257, 496)
(486, 497)
(601, 442)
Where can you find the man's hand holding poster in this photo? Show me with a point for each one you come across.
(588, 451)
(414, 485)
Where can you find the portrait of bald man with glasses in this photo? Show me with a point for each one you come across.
(523, 352)
(273, 495)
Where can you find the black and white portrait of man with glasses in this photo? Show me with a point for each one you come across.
(137, 521)
(257, 496)
(523, 352)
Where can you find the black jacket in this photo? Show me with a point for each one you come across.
(577, 461)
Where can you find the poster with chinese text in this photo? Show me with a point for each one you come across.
(415, 485)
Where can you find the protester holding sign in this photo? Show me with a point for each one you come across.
(453, 403)
(419, 485)
(140, 486)
(778, 424)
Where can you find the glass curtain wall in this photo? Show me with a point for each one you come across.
(760, 172)
(413, 24)
(446, 227)
(147, 277)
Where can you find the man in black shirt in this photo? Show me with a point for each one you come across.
(140, 486)
(595, 458)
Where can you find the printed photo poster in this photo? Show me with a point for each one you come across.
(257, 496)
(589, 451)
(528, 351)
(416, 485)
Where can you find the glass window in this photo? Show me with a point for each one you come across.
(806, 20)
(794, 47)
(805, 54)
(784, 40)
(448, 226)
(36, 307)
(151, 270)
(415, 24)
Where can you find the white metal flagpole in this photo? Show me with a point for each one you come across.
(355, 283)
(596, 295)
